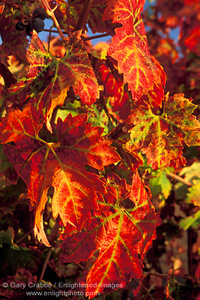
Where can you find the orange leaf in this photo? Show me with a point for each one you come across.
(49, 78)
(60, 164)
(122, 229)
(161, 137)
(129, 47)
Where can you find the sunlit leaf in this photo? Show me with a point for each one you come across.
(60, 165)
(129, 47)
(115, 90)
(49, 78)
(193, 195)
(124, 230)
(191, 221)
(161, 137)
(160, 184)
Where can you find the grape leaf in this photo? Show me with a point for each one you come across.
(155, 96)
(87, 140)
(8, 175)
(59, 164)
(129, 47)
(94, 19)
(191, 221)
(160, 184)
(96, 22)
(191, 172)
(7, 237)
(166, 185)
(190, 2)
(125, 228)
(114, 88)
(128, 233)
(99, 118)
(161, 137)
(80, 246)
(14, 42)
(193, 195)
(49, 78)
(192, 39)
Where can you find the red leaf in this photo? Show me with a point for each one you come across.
(86, 139)
(190, 2)
(80, 245)
(114, 88)
(126, 234)
(14, 42)
(192, 39)
(122, 228)
(161, 138)
(49, 78)
(94, 16)
(129, 47)
(16, 124)
(61, 165)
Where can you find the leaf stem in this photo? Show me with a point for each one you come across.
(178, 178)
(192, 238)
(98, 36)
(45, 264)
(49, 38)
(110, 116)
(84, 15)
(145, 289)
(50, 12)
(21, 239)
(189, 277)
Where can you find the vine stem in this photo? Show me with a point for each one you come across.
(50, 12)
(110, 116)
(145, 289)
(192, 238)
(173, 176)
(167, 275)
(21, 239)
(98, 36)
(178, 178)
(84, 14)
(88, 38)
(45, 264)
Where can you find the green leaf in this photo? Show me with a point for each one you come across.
(192, 175)
(99, 118)
(166, 185)
(160, 184)
(161, 137)
(194, 193)
(69, 108)
(6, 237)
(191, 172)
(191, 221)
